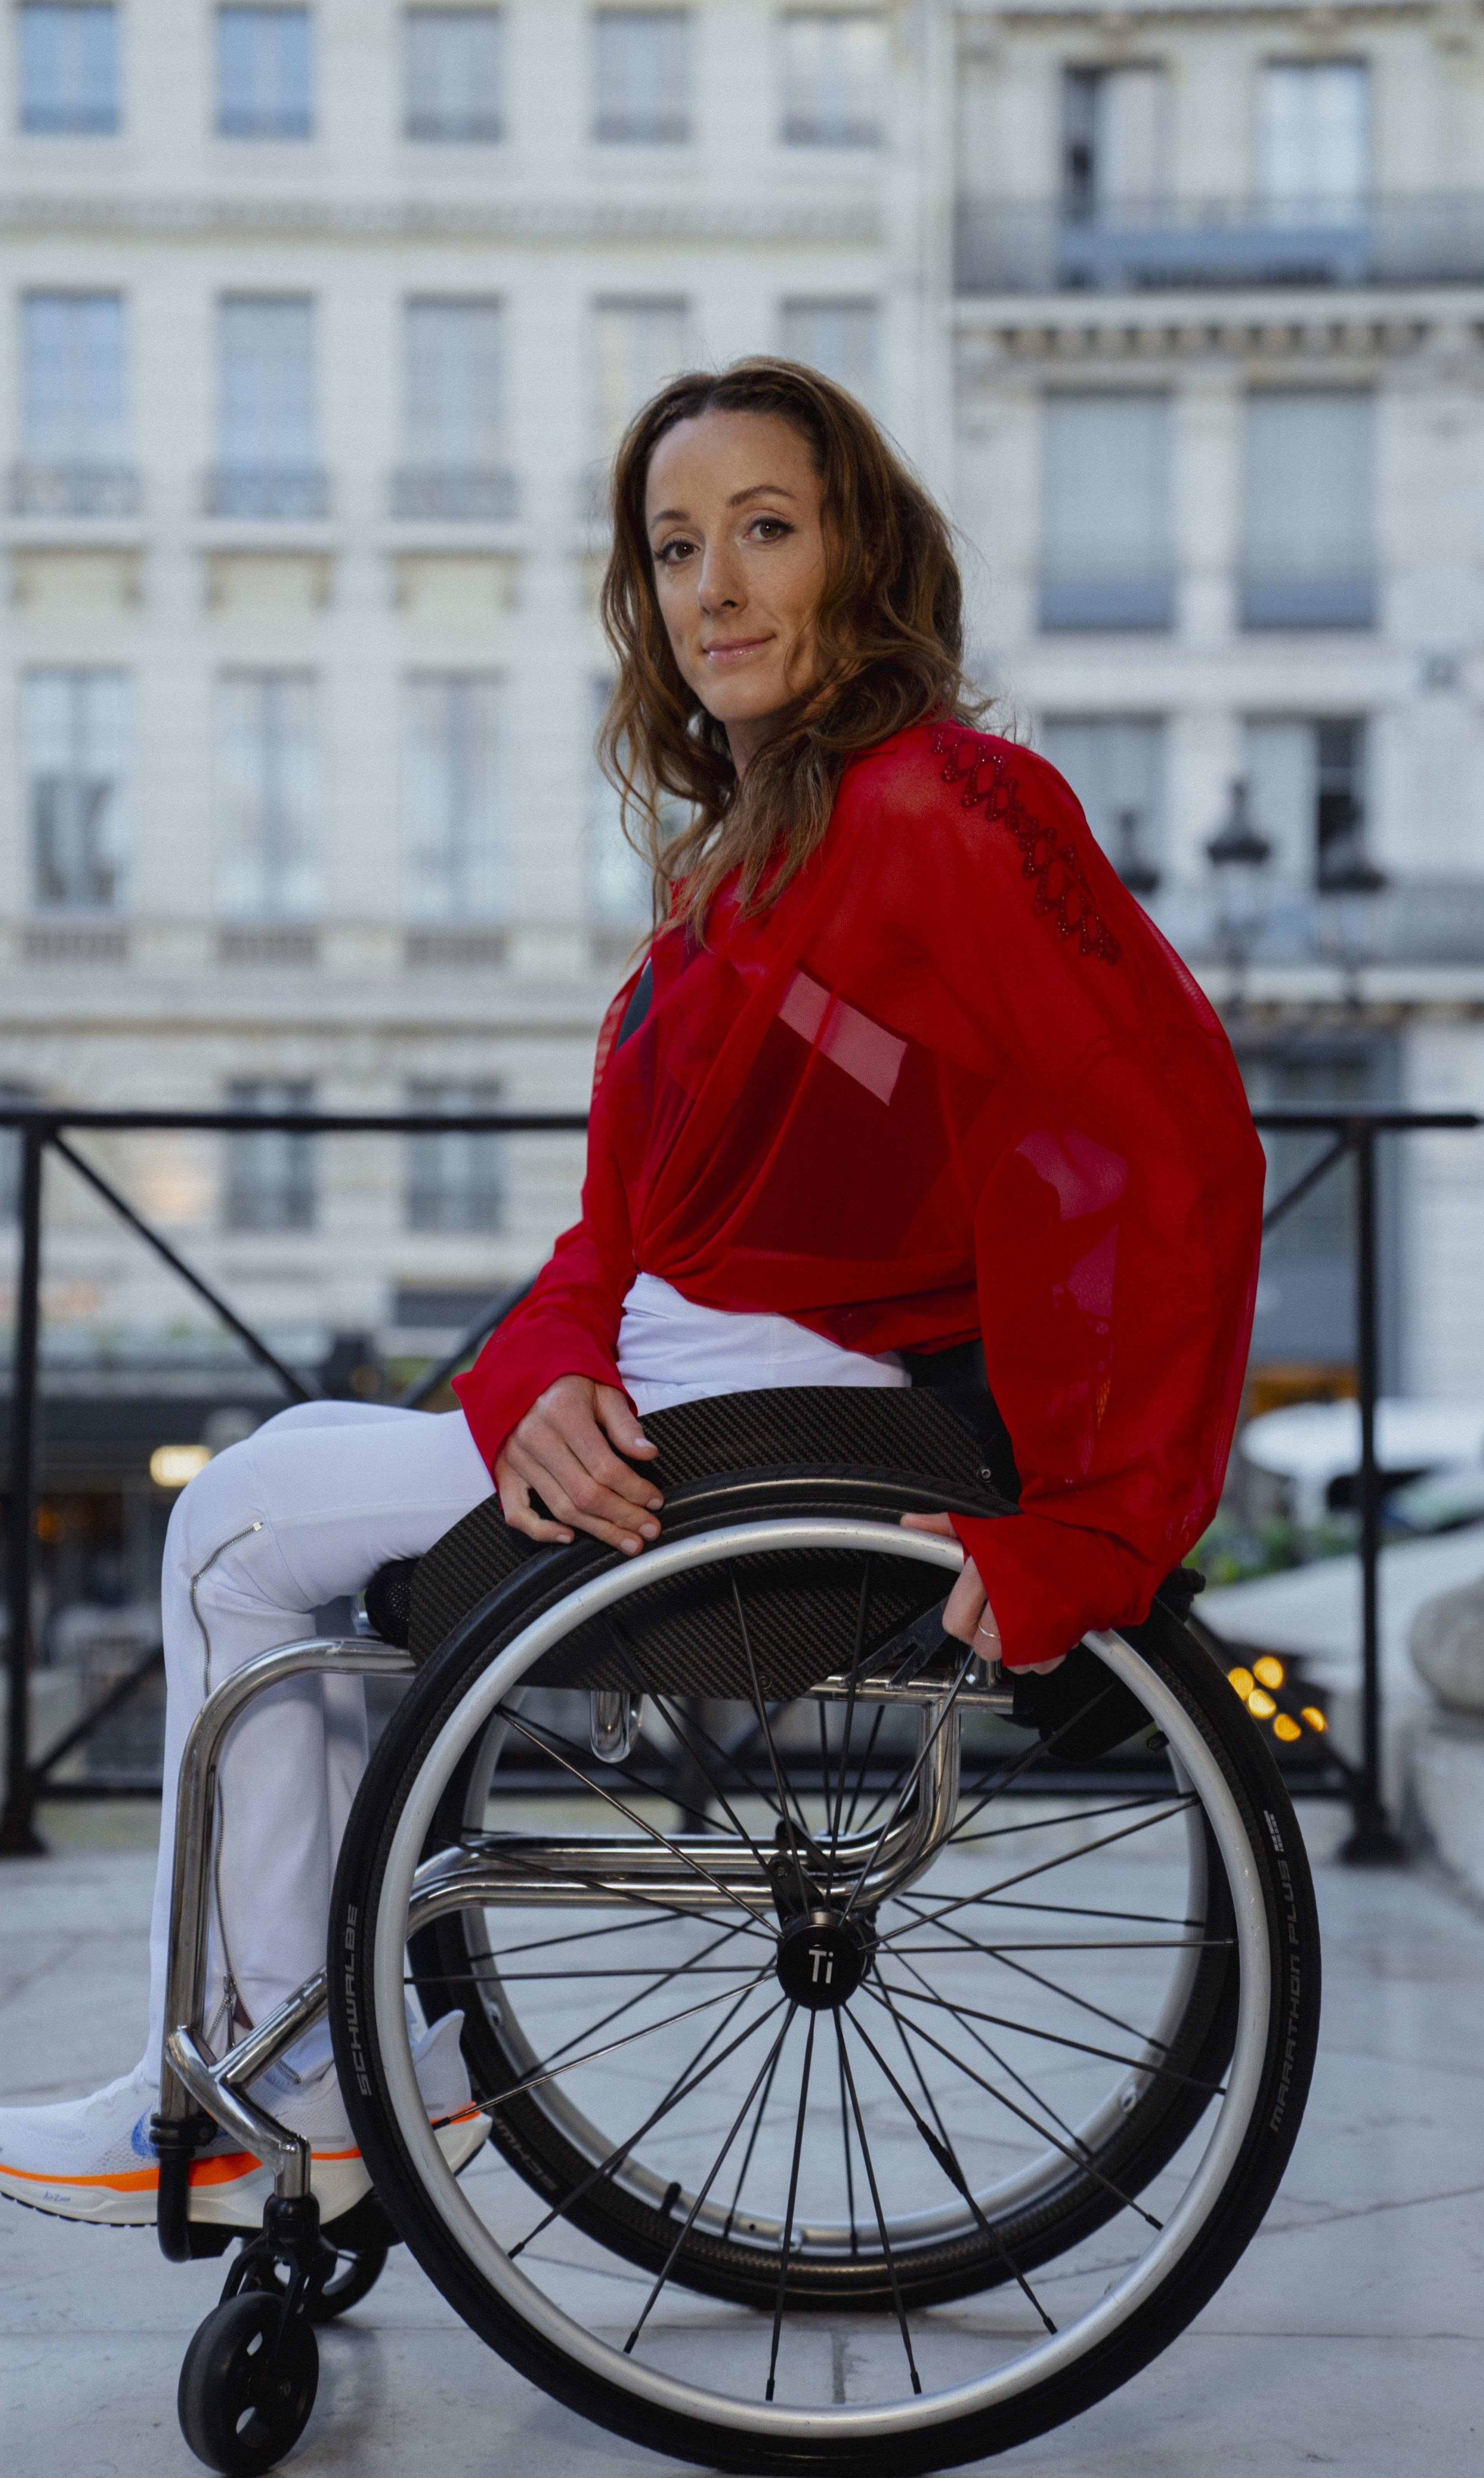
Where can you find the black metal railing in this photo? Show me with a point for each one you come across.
(1355, 1136)
(41, 1132)
(1043, 246)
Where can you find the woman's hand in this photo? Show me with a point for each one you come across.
(967, 1614)
(563, 1448)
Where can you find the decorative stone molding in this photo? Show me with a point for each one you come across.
(596, 219)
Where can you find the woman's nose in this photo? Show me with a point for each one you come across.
(718, 587)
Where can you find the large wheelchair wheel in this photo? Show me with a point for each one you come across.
(875, 2115)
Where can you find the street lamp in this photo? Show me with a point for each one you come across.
(1239, 852)
(1138, 874)
(1348, 884)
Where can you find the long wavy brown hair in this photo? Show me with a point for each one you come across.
(889, 629)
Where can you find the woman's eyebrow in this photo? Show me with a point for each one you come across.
(760, 491)
(737, 499)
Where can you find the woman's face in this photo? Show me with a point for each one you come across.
(733, 507)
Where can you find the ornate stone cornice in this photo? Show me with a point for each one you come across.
(592, 220)
(991, 337)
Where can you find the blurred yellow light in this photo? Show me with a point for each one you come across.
(173, 1466)
(1242, 1680)
(1286, 1729)
(1268, 1672)
(1261, 1707)
(1315, 1717)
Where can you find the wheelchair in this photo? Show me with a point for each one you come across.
(851, 2108)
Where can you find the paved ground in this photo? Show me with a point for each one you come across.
(1348, 2339)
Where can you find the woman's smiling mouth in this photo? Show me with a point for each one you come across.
(731, 649)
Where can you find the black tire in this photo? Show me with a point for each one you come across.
(1280, 1896)
(247, 2387)
(345, 2283)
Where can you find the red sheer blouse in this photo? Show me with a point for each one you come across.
(953, 1083)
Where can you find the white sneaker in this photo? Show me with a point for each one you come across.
(92, 2158)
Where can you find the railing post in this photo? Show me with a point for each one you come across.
(1373, 1843)
(18, 1836)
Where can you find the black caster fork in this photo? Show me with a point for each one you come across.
(250, 2375)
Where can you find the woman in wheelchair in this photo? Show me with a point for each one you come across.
(904, 1073)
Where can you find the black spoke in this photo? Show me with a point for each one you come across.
(875, 2201)
(857, 1648)
(1075, 1944)
(549, 2072)
(1064, 1859)
(1077, 2159)
(1037, 2098)
(690, 2079)
(786, 2239)
(1055, 2038)
(942, 1723)
(875, 1731)
(944, 2153)
(961, 1840)
(845, 2135)
(713, 2173)
(785, 1811)
(651, 1829)
(673, 1722)
(752, 2140)
(660, 1979)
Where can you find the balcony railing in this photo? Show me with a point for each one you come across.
(1038, 245)
(280, 492)
(454, 494)
(73, 489)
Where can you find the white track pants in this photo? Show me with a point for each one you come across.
(300, 1513)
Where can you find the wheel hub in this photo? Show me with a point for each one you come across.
(821, 1960)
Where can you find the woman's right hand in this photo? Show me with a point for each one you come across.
(563, 1448)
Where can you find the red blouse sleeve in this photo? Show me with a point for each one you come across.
(568, 1323)
(1116, 1210)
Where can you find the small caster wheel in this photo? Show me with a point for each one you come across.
(343, 2281)
(244, 2402)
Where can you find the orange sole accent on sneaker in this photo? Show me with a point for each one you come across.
(220, 2171)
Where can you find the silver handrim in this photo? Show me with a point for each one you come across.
(1213, 2148)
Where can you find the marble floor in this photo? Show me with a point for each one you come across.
(1349, 2337)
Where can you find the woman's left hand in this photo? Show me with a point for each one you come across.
(967, 1614)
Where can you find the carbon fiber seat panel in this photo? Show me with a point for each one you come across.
(685, 1636)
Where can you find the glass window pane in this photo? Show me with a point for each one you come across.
(1314, 140)
(267, 796)
(641, 75)
(1116, 765)
(455, 383)
(68, 68)
(75, 735)
(454, 1181)
(454, 71)
(453, 797)
(840, 338)
(72, 347)
(617, 877)
(1308, 556)
(267, 381)
(272, 1178)
(263, 72)
(834, 77)
(637, 346)
(1105, 512)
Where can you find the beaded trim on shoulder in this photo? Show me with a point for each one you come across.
(1048, 864)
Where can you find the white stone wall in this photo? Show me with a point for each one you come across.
(360, 218)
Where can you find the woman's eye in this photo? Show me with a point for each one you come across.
(668, 552)
(772, 528)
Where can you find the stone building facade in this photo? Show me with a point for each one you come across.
(319, 323)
